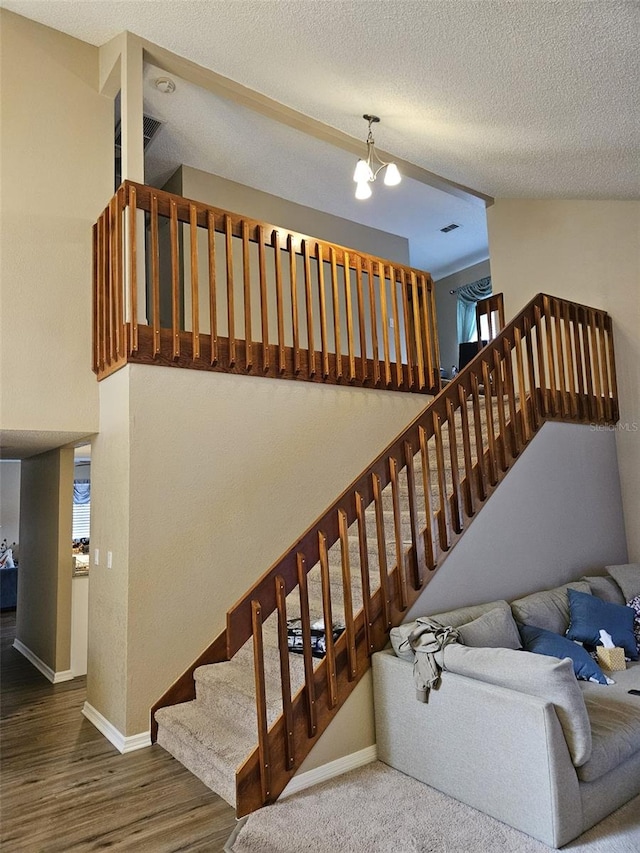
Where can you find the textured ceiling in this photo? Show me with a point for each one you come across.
(520, 99)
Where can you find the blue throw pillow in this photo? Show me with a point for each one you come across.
(588, 615)
(544, 642)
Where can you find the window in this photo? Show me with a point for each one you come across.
(81, 509)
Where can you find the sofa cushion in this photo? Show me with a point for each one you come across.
(549, 679)
(628, 579)
(614, 715)
(548, 609)
(464, 615)
(590, 615)
(543, 642)
(604, 587)
(495, 629)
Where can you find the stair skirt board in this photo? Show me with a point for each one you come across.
(305, 780)
(121, 742)
(41, 666)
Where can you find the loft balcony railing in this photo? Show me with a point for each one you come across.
(181, 283)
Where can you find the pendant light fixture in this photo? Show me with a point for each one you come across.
(367, 170)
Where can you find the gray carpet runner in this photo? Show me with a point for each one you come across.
(216, 732)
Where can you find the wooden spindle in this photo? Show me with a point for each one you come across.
(441, 512)
(305, 621)
(277, 261)
(560, 361)
(418, 553)
(293, 278)
(95, 325)
(592, 324)
(611, 360)
(261, 701)
(264, 303)
(285, 674)
(582, 402)
(330, 661)
(536, 407)
(246, 280)
(401, 589)
(213, 306)
(499, 396)
(195, 294)
(542, 381)
(606, 385)
(384, 323)
(491, 439)
(104, 289)
(364, 571)
(411, 380)
(311, 349)
(346, 269)
(429, 537)
(175, 279)
(573, 403)
(133, 270)
(374, 323)
(115, 284)
(426, 330)
(382, 550)
(588, 362)
(524, 406)
(417, 329)
(466, 485)
(511, 399)
(364, 374)
(231, 320)
(434, 335)
(343, 528)
(454, 502)
(322, 299)
(120, 282)
(336, 312)
(155, 277)
(477, 425)
(396, 327)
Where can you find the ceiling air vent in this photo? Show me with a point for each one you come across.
(451, 227)
(150, 127)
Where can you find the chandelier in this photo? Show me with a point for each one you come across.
(367, 170)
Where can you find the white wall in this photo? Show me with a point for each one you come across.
(10, 500)
(587, 251)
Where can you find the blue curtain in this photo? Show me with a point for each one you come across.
(81, 492)
(467, 298)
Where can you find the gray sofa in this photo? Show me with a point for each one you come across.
(511, 733)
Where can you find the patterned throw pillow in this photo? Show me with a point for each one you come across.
(634, 604)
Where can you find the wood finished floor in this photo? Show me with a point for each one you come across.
(63, 787)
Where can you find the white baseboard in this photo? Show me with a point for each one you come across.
(41, 666)
(122, 744)
(331, 770)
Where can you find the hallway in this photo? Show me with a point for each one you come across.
(65, 788)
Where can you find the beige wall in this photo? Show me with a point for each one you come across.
(447, 310)
(56, 160)
(44, 582)
(10, 500)
(587, 251)
(225, 472)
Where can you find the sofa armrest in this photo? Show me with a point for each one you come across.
(496, 749)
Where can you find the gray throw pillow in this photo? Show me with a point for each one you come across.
(462, 615)
(495, 629)
(548, 609)
(628, 579)
(605, 588)
(537, 675)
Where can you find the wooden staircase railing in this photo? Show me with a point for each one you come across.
(554, 361)
(181, 283)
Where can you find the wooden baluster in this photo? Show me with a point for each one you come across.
(106, 309)
(195, 295)
(454, 501)
(418, 551)
(557, 317)
(545, 408)
(213, 307)
(264, 304)
(294, 303)
(441, 513)
(311, 349)
(364, 374)
(349, 307)
(322, 298)
(332, 684)
(277, 261)
(285, 674)
(592, 320)
(347, 595)
(477, 425)
(434, 336)
(536, 405)
(588, 362)
(512, 427)
(429, 537)
(397, 529)
(524, 407)
(411, 379)
(374, 323)
(122, 322)
(133, 270)
(155, 276)
(417, 333)
(231, 321)
(364, 572)
(548, 335)
(612, 369)
(115, 284)
(108, 286)
(396, 327)
(502, 426)
(95, 330)
(583, 402)
(382, 550)
(467, 492)
(606, 385)
(246, 280)
(101, 339)
(261, 701)
(385, 323)
(336, 312)
(491, 440)
(175, 279)
(305, 620)
(573, 403)
(426, 330)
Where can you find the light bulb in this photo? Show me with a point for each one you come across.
(363, 190)
(362, 172)
(391, 175)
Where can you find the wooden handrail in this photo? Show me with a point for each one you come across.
(554, 361)
(306, 292)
